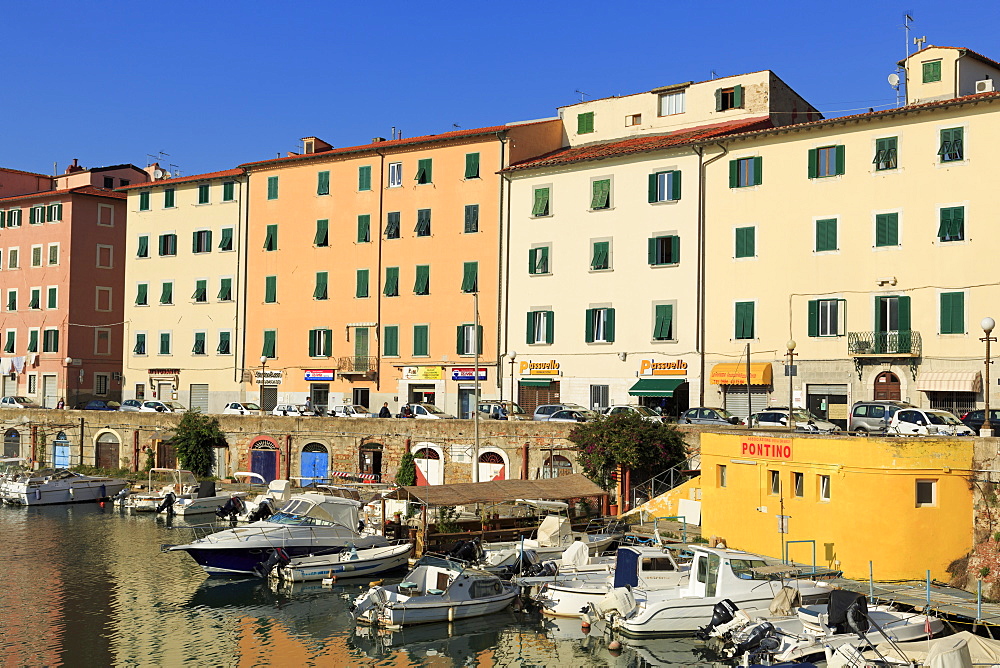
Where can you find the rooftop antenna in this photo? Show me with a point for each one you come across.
(581, 94)
(175, 169)
(898, 78)
(714, 75)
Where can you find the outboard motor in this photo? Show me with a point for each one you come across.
(264, 510)
(168, 504)
(121, 496)
(760, 640)
(277, 558)
(231, 509)
(723, 613)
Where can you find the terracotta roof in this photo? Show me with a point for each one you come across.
(393, 143)
(639, 144)
(869, 115)
(184, 179)
(79, 190)
(21, 171)
(974, 54)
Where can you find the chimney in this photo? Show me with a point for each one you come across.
(75, 167)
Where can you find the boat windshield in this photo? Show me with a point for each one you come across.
(746, 569)
(440, 561)
(303, 513)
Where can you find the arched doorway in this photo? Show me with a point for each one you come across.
(430, 470)
(12, 443)
(264, 458)
(492, 466)
(107, 447)
(887, 386)
(370, 461)
(555, 466)
(314, 464)
(60, 451)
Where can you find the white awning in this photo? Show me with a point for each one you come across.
(950, 381)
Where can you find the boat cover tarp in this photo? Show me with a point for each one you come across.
(575, 486)
(785, 601)
(554, 531)
(981, 650)
(576, 555)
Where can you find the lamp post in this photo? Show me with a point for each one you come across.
(513, 356)
(263, 376)
(987, 324)
(76, 398)
(790, 370)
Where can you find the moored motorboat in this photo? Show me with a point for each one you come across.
(52, 486)
(349, 562)
(555, 534)
(436, 590)
(161, 484)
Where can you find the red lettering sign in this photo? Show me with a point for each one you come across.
(767, 448)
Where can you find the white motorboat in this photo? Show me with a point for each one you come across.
(814, 630)
(308, 523)
(161, 482)
(959, 649)
(554, 535)
(716, 574)
(51, 486)
(571, 590)
(347, 563)
(436, 590)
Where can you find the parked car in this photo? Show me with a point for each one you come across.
(100, 405)
(873, 417)
(644, 412)
(545, 411)
(132, 405)
(804, 420)
(974, 419)
(162, 407)
(425, 412)
(18, 402)
(574, 415)
(351, 410)
(293, 410)
(513, 411)
(708, 415)
(927, 422)
(241, 408)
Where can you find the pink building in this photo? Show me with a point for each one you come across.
(62, 272)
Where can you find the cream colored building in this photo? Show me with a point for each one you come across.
(868, 241)
(184, 287)
(604, 243)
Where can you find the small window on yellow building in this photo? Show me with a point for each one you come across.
(775, 483)
(824, 488)
(798, 483)
(926, 493)
(722, 475)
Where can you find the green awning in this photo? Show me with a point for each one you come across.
(656, 387)
(535, 382)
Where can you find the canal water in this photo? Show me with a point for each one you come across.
(86, 585)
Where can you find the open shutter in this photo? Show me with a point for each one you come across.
(944, 224)
(718, 99)
(143, 250)
(758, 170)
(322, 237)
(609, 325)
(813, 159)
(738, 96)
(675, 185)
(813, 317)
(675, 249)
(653, 191)
(471, 165)
(460, 340)
(550, 326)
(734, 173)
(651, 245)
(958, 222)
(532, 259)
(33, 341)
(840, 158)
(479, 341)
(320, 291)
(903, 312)
(312, 343)
(841, 317)
(589, 327)
(226, 243)
(529, 336)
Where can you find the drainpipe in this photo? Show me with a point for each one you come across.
(135, 451)
(242, 253)
(524, 461)
(700, 332)
(378, 282)
(502, 270)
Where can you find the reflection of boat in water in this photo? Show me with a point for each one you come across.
(51, 486)
(460, 640)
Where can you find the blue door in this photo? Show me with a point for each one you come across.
(61, 455)
(315, 464)
(264, 462)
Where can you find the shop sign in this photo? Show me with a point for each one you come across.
(319, 374)
(164, 372)
(468, 373)
(423, 372)
(269, 376)
(651, 367)
(550, 368)
(765, 447)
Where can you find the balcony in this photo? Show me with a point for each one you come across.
(357, 366)
(897, 343)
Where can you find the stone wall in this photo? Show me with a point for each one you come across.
(983, 560)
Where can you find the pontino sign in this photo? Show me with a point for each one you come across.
(767, 448)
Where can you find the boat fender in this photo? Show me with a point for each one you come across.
(451, 614)
(71, 490)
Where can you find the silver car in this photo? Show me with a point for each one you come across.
(574, 415)
(873, 417)
(708, 415)
(545, 411)
(777, 418)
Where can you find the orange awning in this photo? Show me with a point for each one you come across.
(735, 373)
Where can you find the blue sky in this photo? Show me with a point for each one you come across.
(214, 84)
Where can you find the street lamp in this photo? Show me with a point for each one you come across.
(76, 398)
(790, 370)
(513, 356)
(987, 324)
(263, 375)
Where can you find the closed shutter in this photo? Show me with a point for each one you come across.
(365, 177)
(662, 327)
(272, 187)
(600, 255)
(323, 183)
(228, 189)
(199, 397)
(737, 402)
(362, 284)
(952, 312)
(472, 165)
(422, 284)
(530, 397)
(390, 340)
(270, 289)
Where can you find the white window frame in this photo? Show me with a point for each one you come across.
(14, 257)
(106, 215)
(97, 338)
(98, 290)
(48, 288)
(145, 352)
(664, 181)
(676, 102)
(470, 340)
(41, 258)
(219, 339)
(6, 334)
(798, 484)
(319, 343)
(774, 482)
(824, 488)
(824, 326)
(48, 256)
(6, 301)
(38, 338)
(111, 256)
(203, 233)
(933, 483)
(232, 235)
(600, 314)
(539, 325)
(395, 174)
(44, 337)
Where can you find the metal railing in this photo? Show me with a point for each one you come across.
(357, 364)
(663, 482)
(897, 343)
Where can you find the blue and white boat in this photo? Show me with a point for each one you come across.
(307, 524)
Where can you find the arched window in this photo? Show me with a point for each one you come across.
(555, 466)
(107, 451)
(426, 453)
(491, 458)
(12, 443)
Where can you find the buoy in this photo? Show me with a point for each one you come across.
(614, 648)
(585, 627)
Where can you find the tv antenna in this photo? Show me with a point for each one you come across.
(581, 94)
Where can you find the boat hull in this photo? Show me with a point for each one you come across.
(62, 492)
(443, 611)
(322, 567)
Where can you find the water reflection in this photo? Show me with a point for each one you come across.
(88, 585)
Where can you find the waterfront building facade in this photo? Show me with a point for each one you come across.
(61, 278)
(184, 287)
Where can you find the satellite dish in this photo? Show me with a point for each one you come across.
(893, 79)
(157, 173)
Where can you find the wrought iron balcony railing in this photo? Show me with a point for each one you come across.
(897, 343)
(357, 364)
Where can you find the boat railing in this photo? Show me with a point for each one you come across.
(276, 534)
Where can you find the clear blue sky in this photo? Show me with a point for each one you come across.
(214, 84)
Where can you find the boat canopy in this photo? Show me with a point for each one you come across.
(575, 486)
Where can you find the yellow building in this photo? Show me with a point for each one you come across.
(903, 504)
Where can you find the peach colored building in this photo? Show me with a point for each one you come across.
(363, 265)
(61, 279)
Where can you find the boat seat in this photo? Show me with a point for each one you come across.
(408, 586)
(435, 592)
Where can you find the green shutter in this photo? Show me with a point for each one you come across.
(841, 159)
(609, 325)
(168, 198)
(365, 177)
(424, 171)
(390, 340)
(33, 341)
(420, 336)
(199, 343)
(663, 322)
(364, 227)
(952, 312)
(813, 315)
(272, 187)
(675, 185)
(471, 218)
(886, 229)
(813, 163)
(167, 293)
(312, 343)
(958, 222)
(143, 250)
(144, 201)
(541, 203)
(529, 336)
(226, 289)
(228, 191)
(470, 277)
(744, 320)
(718, 99)
(392, 225)
(3, 219)
(758, 170)
(422, 284)
(826, 235)
(550, 326)
(323, 183)
(226, 243)
(734, 173)
(600, 255)
(423, 227)
(585, 123)
(203, 193)
(200, 293)
(320, 291)
(51, 297)
(270, 289)
(271, 238)
(746, 242)
(362, 283)
(391, 282)
(223, 347)
(322, 237)
(652, 243)
(601, 194)
(653, 190)
(472, 165)
(268, 349)
(589, 326)
(903, 312)
(675, 250)
(460, 340)
(164, 343)
(327, 342)
(737, 96)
